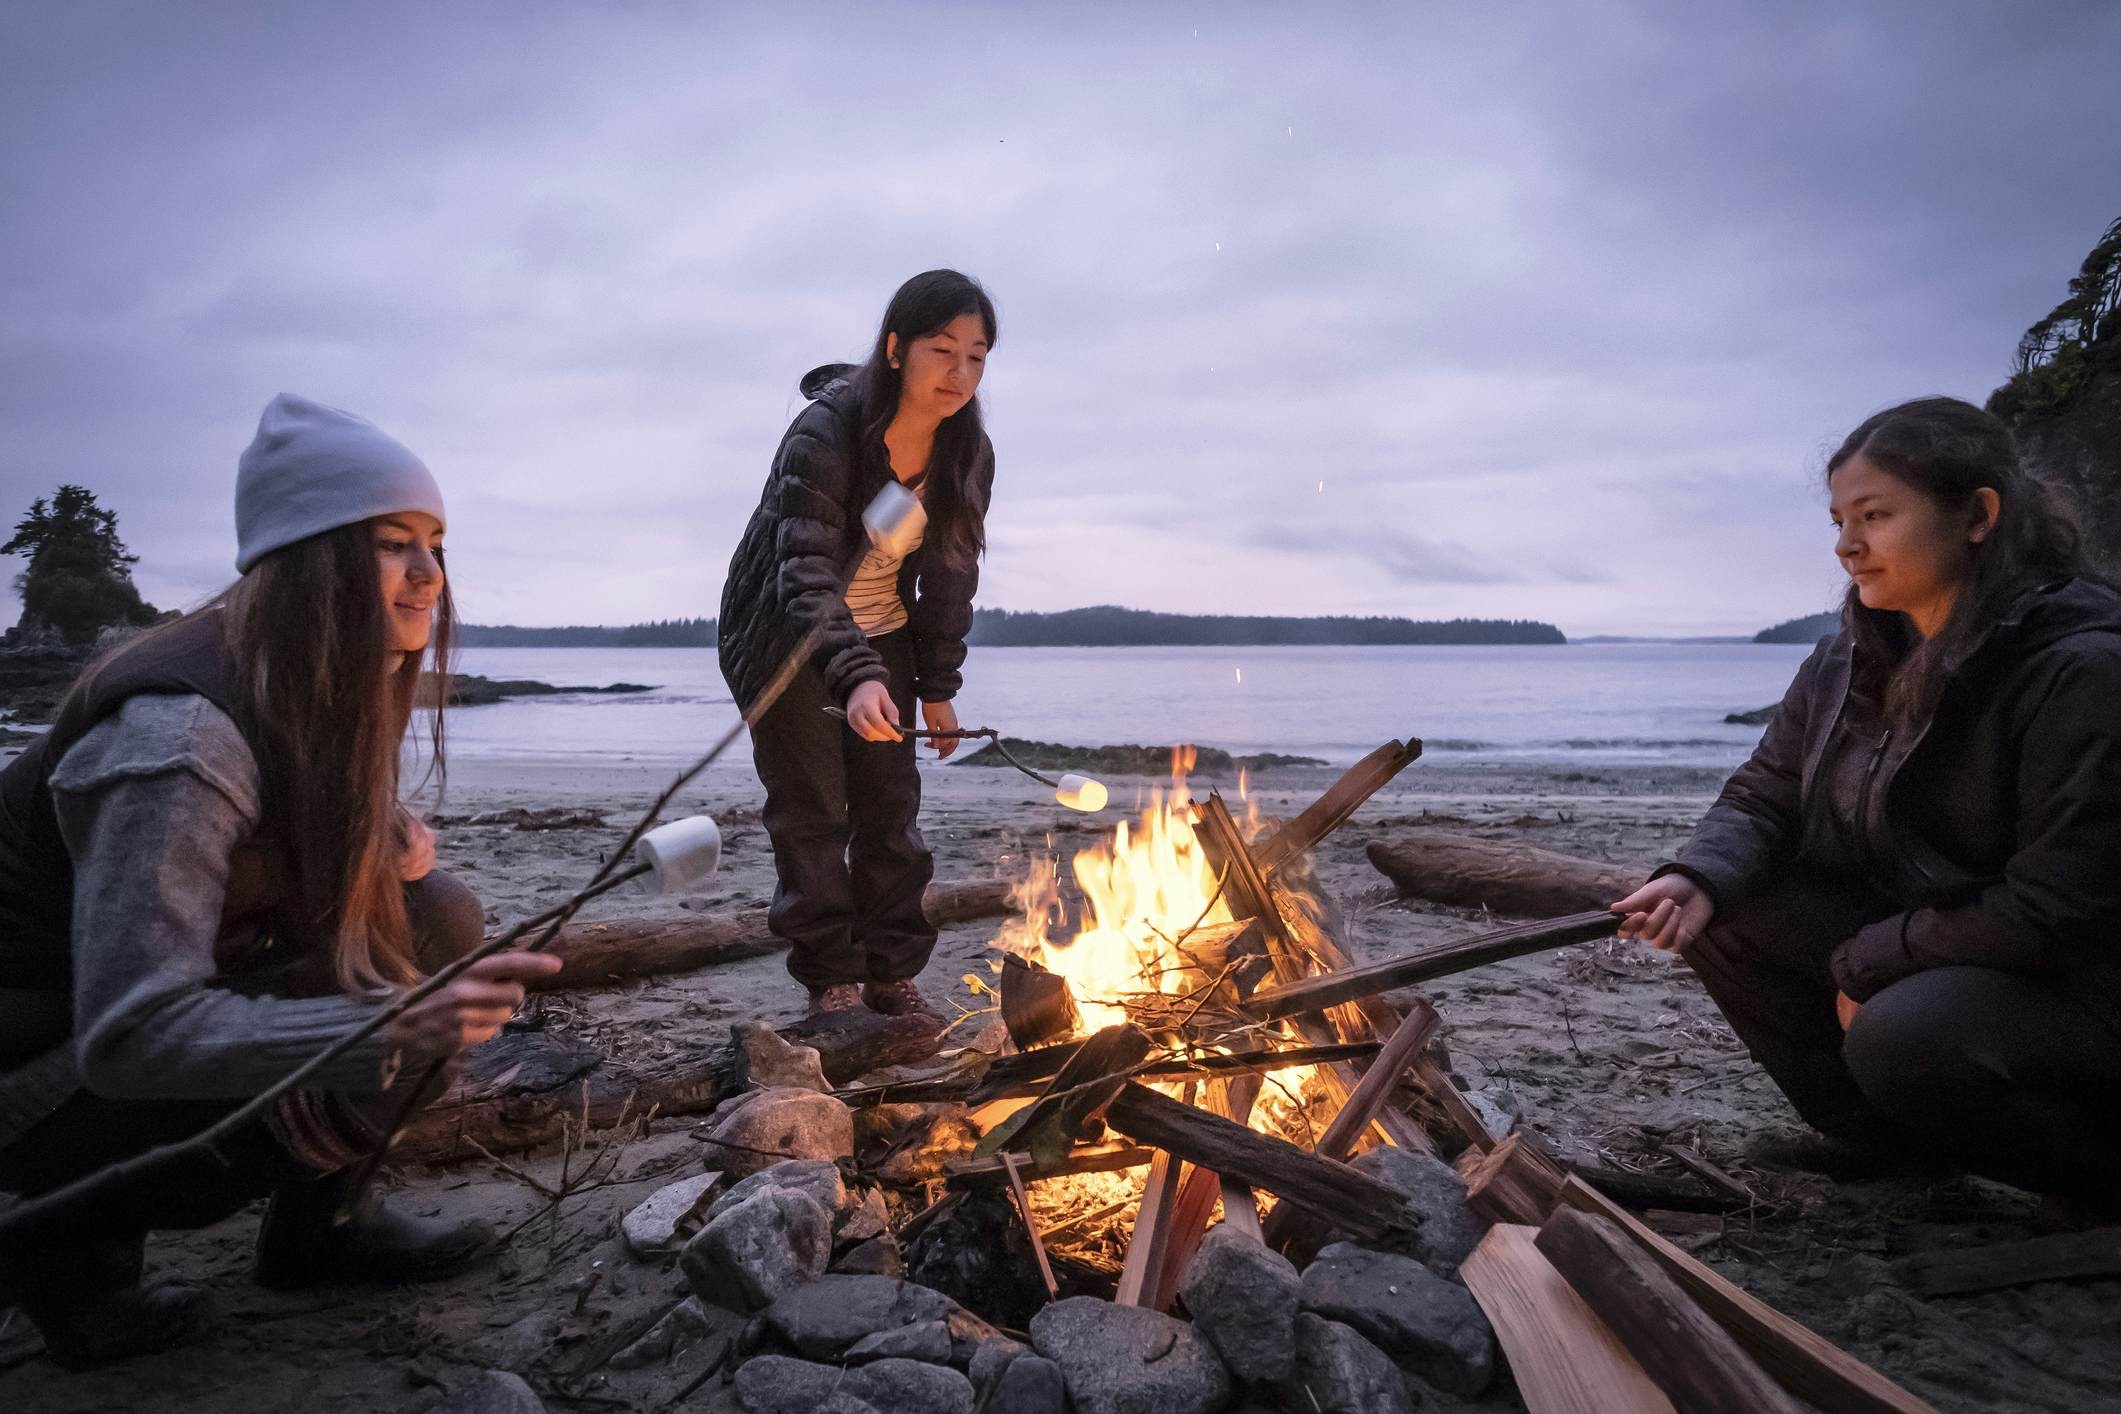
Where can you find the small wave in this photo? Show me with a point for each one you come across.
(1452, 743)
(1633, 743)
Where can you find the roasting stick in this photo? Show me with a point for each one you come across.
(1084, 793)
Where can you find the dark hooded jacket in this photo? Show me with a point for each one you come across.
(1993, 828)
(789, 570)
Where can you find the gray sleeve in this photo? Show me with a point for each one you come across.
(151, 803)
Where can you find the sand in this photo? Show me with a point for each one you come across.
(1607, 1052)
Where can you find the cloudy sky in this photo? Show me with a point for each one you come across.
(1562, 304)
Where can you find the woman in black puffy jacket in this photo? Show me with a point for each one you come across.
(843, 797)
(1908, 902)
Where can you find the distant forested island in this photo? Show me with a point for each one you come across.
(1809, 629)
(663, 633)
(1104, 626)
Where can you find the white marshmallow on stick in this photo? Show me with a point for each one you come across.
(680, 855)
(895, 520)
(1082, 793)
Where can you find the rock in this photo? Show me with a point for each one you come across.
(493, 1392)
(1031, 1385)
(776, 1125)
(777, 1384)
(1338, 1372)
(923, 1340)
(866, 1216)
(992, 1360)
(1497, 1108)
(1243, 1298)
(661, 1225)
(826, 1318)
(878, 1257)
(1425, 1323)
(970, 1335)
(1129, 1360)
(751, 1254)
(677, 1331)
(765, 1061)
(820, 1178)
(1445, 1230)
(911, 1387)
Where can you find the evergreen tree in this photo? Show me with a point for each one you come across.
(79, 581)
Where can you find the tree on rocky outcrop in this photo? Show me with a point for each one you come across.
(2064, 398)
(79, 581)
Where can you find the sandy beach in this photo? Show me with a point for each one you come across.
(1608, 1052)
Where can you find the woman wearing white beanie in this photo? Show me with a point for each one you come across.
(206, 877)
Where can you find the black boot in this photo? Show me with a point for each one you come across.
(302, 1243)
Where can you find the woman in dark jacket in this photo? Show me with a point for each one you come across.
(1908, 902)
(843, 798)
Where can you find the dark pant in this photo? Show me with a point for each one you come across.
(2010, 1076)
(844, 817)
(101, 1249)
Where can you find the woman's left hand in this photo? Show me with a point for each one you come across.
(940, 717)
(418, 857)
(1846, 1010)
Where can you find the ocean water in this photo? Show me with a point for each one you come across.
(1591, 704)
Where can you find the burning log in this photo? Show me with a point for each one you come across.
(1692, 1359)
(1335, 988)
(1350, 1199)
(1331, 810)
(1036, 1004)
(1086, 1083)
(1514, 879)
(602, 954)
(1083, 1158)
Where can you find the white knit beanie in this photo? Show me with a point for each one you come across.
(312, 468)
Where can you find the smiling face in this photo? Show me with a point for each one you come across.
(409, 565)
(940, 372)
(1904, 551)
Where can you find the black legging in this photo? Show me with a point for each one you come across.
(2014, 1077)
(849, 862)
(101, 1250)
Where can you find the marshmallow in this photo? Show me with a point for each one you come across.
(680, 855)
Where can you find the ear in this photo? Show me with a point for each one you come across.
(1987, 507)
(891, 349)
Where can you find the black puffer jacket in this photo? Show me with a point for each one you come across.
(1995, 826)
(788, 570)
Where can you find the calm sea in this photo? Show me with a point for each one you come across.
(1609, 704)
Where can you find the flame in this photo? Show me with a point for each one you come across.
(1144, 889)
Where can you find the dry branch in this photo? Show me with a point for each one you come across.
(1331, 810)
(1499, 875)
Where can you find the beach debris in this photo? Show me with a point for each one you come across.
(1502, 876)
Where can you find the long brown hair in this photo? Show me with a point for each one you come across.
(326, 717)
(1948, 450)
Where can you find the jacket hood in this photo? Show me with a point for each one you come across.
(819, 381)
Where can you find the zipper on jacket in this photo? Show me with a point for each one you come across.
(1863, 800)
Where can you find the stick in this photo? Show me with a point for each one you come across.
(1331, 810)
(2065, 1256)
(1692, 1359)
(1023, 1208)
(1335, 988)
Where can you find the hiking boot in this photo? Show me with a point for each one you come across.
(302, 1243)
(134, 1320)
(1842, 1159)
(840, 996)
(899, 998)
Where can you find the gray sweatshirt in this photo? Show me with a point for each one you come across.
(152, 802)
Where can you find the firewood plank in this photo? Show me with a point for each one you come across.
(1563, 1358)
(1692, 1359)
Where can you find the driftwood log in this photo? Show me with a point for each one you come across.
(1501, 876)
(1563, 1358)
(1694, 1361)
(2064, 1256)
(601, 954)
